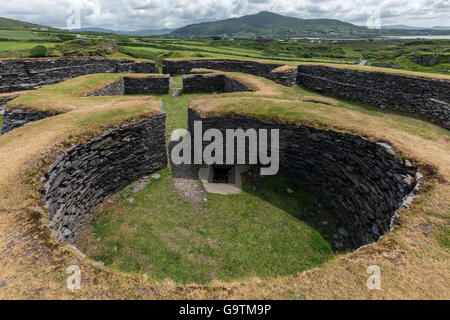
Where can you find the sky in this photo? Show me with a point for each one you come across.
(160, 14)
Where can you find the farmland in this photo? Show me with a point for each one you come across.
(416, 55)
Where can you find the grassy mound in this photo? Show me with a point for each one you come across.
(70, 95)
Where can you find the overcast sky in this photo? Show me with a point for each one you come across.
(158, 14)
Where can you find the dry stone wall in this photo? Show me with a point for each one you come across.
(129, 85)
(113, 89)
(86, 174)
(27, 74)
(286, 78)
(360, 180)
(175, 68)
(4, 101)
(147, 85)
(16, 118)
(265, 70)
(428, 99)
(211, 83)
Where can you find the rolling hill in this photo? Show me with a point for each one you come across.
(6, 23)
(149, 32)
(404, 27)
(141, 33)
(269, 24)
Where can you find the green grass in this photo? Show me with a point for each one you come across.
(19, 35)
(176, 107)
(260, 233)
(12, 45)
(6, 23)
(443, 68)
(142, 53)
(20, 49)
(442, 235)
(1, 122)
(403, 52)
(351, 52)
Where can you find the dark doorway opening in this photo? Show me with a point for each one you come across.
(222, 174)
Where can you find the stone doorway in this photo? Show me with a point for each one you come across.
(222, 179)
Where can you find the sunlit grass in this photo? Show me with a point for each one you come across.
(12, 45)
(19, 35)
(256, 233)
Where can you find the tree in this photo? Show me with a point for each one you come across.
(38, 51)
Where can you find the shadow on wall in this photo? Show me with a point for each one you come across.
(199, 83)
(283, 191)
(85, 175)
(361, 181)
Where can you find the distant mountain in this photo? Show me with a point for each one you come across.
(150, 32)
(404, 27)
(141, 33)
(269, 24)
(440, 28)
(101, 30)
(6, 23)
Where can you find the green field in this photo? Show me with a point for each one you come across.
(14, 46)
(417, 55)
(20, 35)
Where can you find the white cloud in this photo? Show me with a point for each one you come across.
(156, 14)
